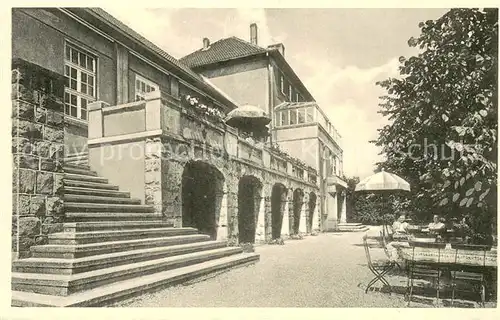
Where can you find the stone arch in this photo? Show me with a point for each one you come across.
(298, 203)
(312, 216)
(249, 205)
(203, 198)
(278, 206)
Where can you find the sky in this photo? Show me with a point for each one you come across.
(339, 54)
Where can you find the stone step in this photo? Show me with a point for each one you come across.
(63, 285)
(76, 166)
(77, 155)
(127, 288)
(96, 192)
(113, 225)
(96, 199)
(361, 229)
(106, 207)
(350, 224)
(68, 238)
(81, 177)
(352, 227)
(86, 184)
(109, 216)
(85, 250)
(78, 170)
(86, 264)
(76, 159)
(77, 162)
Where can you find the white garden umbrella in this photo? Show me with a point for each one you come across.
(382, 181)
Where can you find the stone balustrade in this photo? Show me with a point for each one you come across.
(162, 114)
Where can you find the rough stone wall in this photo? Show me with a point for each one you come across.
(38, 151)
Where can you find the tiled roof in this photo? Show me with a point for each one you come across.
(150, 45)
(222, 50)
(108, 18)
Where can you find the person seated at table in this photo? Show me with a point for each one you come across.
(436, 226)
(400, 226)
(400, 230)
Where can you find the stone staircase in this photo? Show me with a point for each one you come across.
(352, 227)
(77, 158)
(113, 247)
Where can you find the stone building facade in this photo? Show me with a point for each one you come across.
(244, 179)
(261, 76)
(85, 83)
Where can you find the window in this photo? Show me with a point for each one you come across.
(309, 114)
(297, 97)
(80, 87)
(282, 84)
(143, 86)
(284, 118)
(293, 116)
(290, 92)
(301, 115)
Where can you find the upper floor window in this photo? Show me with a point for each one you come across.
(143, 86)
(290, 92)
(301, 113)
(295, 116)
(285, 119)
(282, 84)
(297, 97)
(310, 114)
(80, 88)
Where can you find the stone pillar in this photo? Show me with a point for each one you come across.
(285, 222)
(315, 218)
(331, 205)
(153, 174)
(260, 228)
(268, 219)
(172, 190)
(343, 208)
(38, 152)
(222, 224)
(303, 216)
(232, 203)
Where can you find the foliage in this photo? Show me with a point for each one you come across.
(247, 247)
(203, 109)
(374, 208)
(278, 241)
(443, 109)
(296, 236)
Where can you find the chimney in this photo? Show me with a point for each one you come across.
(278, 46)
(253, 34)
(206, 43)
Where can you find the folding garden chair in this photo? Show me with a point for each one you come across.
(426, 270)
(384, 241)
(474, 277)
(379, 268)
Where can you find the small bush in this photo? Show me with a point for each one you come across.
(296, 237)
(247, 247)
(278, 241)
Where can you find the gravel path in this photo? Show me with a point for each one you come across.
(328, 270)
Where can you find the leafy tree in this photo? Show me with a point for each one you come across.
(443, 109)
